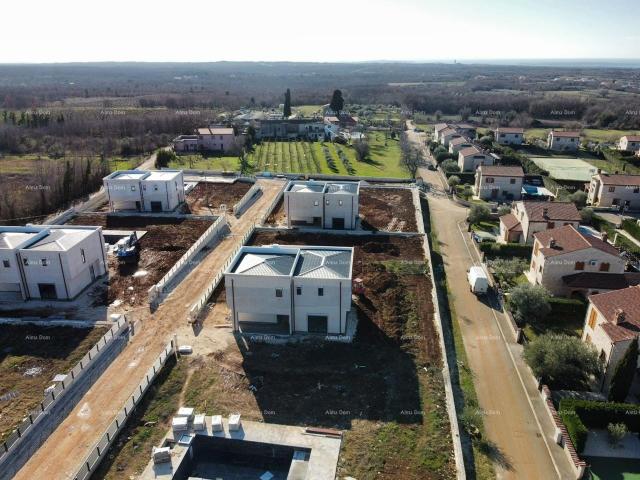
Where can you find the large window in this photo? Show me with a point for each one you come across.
(579, 266)
(321, 292)
(604, 267)
(6, 263)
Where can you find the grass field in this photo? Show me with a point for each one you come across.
(26, 164)
(309, 158)
(566, 168)
(589, 134)
(307, 110)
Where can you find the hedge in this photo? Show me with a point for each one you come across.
(567, 308)
(506, 250)
(581, 415)
(466, 178)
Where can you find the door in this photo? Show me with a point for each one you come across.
(92, 272)
(494, 193)
(337, 223)
(317, 323)
(47, 291)
(138, 206)
(156, 206)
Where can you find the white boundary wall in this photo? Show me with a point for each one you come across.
(244, 202)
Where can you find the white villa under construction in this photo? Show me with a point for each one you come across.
(322, 204)
(144, 191)
(288, 289)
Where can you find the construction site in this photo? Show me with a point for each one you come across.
(370, 391)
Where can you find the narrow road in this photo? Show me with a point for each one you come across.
(62, 453)
(514, 417)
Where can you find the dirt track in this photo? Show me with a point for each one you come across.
(61, 455)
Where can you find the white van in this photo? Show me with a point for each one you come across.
(478, 280)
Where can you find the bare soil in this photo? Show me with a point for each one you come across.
(166, 240)
(389, 209)
(277, 217)
(215, 194)
(30, 356)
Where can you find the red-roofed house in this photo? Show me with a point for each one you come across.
(509, 135)
(622, 191)
(472, 157)
(562, 253)
(561, 140)
(528, 217)
(611, 324)
(629, 143)
(498, 183)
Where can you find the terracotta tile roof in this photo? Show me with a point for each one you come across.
(221, 131)
(441, 126)
(448, 131)
(469, 151)
(626, 299)
(619, 180)
(511, 223)
(555, 211)
(632, 138)
(562, 133)
(510, 130)
(568, 239)
(602, 280)
(459, 141)
(500, 171)
(618, 333)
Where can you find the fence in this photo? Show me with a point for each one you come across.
(197, 307)
(205, 238)
(92, 460)
(51, 397)
(244, 201)
(273, 205)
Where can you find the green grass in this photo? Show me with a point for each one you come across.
(588, 134)
(26, 164)
(308, 110)
(605, 468)
(199, 162)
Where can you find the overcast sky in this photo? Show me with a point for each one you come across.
(329, 30)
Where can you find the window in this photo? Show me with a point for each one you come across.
(155, 188)
(278, 292)
(316, 203)
(551, 225)
(298, 290)
(604, 267)
(6, 263)
(593, 263)
(579, 266)
(512, 181)
(44, 262)
(340, 202)
(321, 292)
(25, 262)
(133, 188)
(82, 255)
(636, 190)
(612, 189)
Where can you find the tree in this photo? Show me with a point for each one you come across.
(287, 104)
(410, 157)
(507, 270)
(529, 303)
(563, 361)
(453, 181)
(450, 166)
(623, 374)
(579, 198)
(362, 150)
(586, 215)
(503, 210)
(478, 213)
(164, 157)
(617, 432)
(337, 102)
(245, 167)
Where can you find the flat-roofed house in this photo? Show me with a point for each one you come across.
(563, 140)
(499, 183)
(509, 135)
(49, 262)
(528, 217)
(322, 204)
(458, 144)
(144, 191)
(288, 289)
(564, 260)
(629, 143)
(470, 158)
(622, 191)
(612, 322)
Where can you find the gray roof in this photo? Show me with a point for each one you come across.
(342, 187)
(265, 264)
(324, 264)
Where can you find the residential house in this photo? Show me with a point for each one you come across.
(291, 129)
(629, 143)
(447, 135)
(509, 135)
(498, 183)
(144, 191)
(565, 261)
(209, 139)
(469, 159)
(465, 130)
(322, 204)
(529, 217)
(563, 140)
(621, 191)
(287, 289)
(458, 144)
(49, 262)
(439, 127)
(612, 322)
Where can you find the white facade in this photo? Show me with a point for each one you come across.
(532, 217)
(153, 191)
(458, 144)
(322, 204)
(287, 289)
(629, 143)
(564, 141)
(447, 135)
(622, 191)
(495, 183)
(51, 262)
(469, 159)
(509, 136)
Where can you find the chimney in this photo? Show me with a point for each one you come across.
(618, 316)
(552, 242)
(605, 236)
(545, 212)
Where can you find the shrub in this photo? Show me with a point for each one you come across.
(450, 165)
(164, 157)
(616, 431)
(444, 156)
(453, 181)
(631, 227)
(529, 303)
(586, 215)
(579, 198)
(624, 373)
(577, 431)
(494, 250)
(479, 213)
(507, 270)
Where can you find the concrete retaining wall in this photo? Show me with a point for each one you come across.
(247, 199)
(56, 405)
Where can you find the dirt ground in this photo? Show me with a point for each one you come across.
(30, 356)
(166, 240)
(215, 194)
(389, 209)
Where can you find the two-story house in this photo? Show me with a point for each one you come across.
(144, 191)
(458, 144)
(210, 139)
(470, 158)
(568, 262)
(509, 135)
(322, 204)
(612, 322)
(528, 217)
(447, 135)
(629, 143)
(621, 191)
(498, 183)
(563, 140)
(49, 262)
(287, 289)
